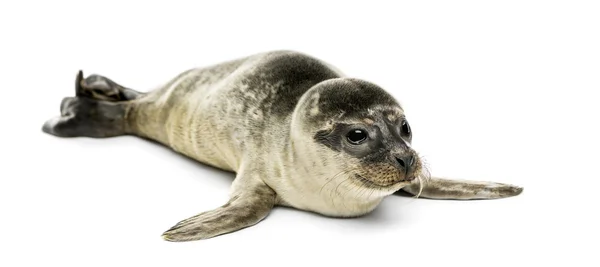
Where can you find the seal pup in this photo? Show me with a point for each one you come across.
(296, 132)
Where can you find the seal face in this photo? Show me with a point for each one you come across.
(359, 153)
(294, 130)
(369, 127)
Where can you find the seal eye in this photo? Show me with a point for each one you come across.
(356, 136)
(405, 128)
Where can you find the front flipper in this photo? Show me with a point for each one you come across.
(243, 209)
(438, 188)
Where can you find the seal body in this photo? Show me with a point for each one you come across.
(296, 132)
(239, 115)
(230, 113)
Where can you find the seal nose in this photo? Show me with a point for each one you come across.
(406, 162)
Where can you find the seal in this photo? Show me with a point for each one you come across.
(294, 130)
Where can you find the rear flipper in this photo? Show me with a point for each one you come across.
(87, 117)
(98, 110)
(102, 88)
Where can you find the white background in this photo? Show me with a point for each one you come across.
(494, 90)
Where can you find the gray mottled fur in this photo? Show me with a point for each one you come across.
(278, 120)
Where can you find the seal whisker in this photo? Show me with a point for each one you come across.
(364, 190)
(372, 191)
(352, 186)
(423, 176)
(345, 172)
(420, 186)
(332, 178)
(341, 195)
(425, 169)
(331, 192)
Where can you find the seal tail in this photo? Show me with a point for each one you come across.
(98, 109)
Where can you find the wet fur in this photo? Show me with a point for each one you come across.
(268, 118)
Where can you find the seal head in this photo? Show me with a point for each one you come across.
(360, 130)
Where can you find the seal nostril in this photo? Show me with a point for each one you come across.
(401, 162)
